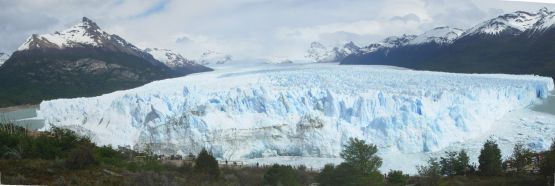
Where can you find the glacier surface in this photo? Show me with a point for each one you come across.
(300, 111)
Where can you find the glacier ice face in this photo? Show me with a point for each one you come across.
(299, 110)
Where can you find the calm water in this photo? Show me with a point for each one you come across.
(23, 117)
(547, 106)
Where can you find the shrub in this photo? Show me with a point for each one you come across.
(81, 157)
(207, 164)
(151, 178)
(281, 175)
(397, 177)
(326, 175)
(107, 154)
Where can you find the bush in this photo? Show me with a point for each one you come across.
(81, 157)
(207, 164)
(106, 154)
(151, 178)
(326, 175)
(281, 175)
(397, 177)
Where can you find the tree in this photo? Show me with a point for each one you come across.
(362, 156)
(430, 174)
(521, 157)
(207, 164)
(462, 165)
(281, 175)
(455, 163)
(360, 166)
(396, 177)
(490, 159)
(448, 164)
(548, 164)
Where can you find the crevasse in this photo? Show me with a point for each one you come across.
(299, 110)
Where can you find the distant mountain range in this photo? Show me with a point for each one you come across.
(83, 61)
(214, 58)
(514, 43)
(175, 60)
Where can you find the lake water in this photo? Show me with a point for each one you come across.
(23, 117)
(547, 105)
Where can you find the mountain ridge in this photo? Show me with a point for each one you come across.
(80, 61)
(514, 43)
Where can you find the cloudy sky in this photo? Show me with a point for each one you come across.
(249, 28)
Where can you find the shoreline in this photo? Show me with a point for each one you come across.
(18, 107)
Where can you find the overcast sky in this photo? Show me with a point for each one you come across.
(248, 28)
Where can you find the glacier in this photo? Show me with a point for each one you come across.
(309, 110)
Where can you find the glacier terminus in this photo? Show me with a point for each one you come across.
(295, 110)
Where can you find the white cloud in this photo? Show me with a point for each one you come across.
(246, 28)
(535, 1)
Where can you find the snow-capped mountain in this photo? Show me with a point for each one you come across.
(84, 34)
(439, 35)
(83, 60)
(513, 23)
(279, 60)
(547, 20)
(214, 58)
(319, 53)
(509, 43)
(308, 111)
(169, 57)
(3, 58)
(397, 41)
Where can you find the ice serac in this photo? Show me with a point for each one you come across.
(306, 111)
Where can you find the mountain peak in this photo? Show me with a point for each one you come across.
(543, 11)
(511, 23)
(88, 23)
(169, 58)
(84, 34)
(438, 35)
